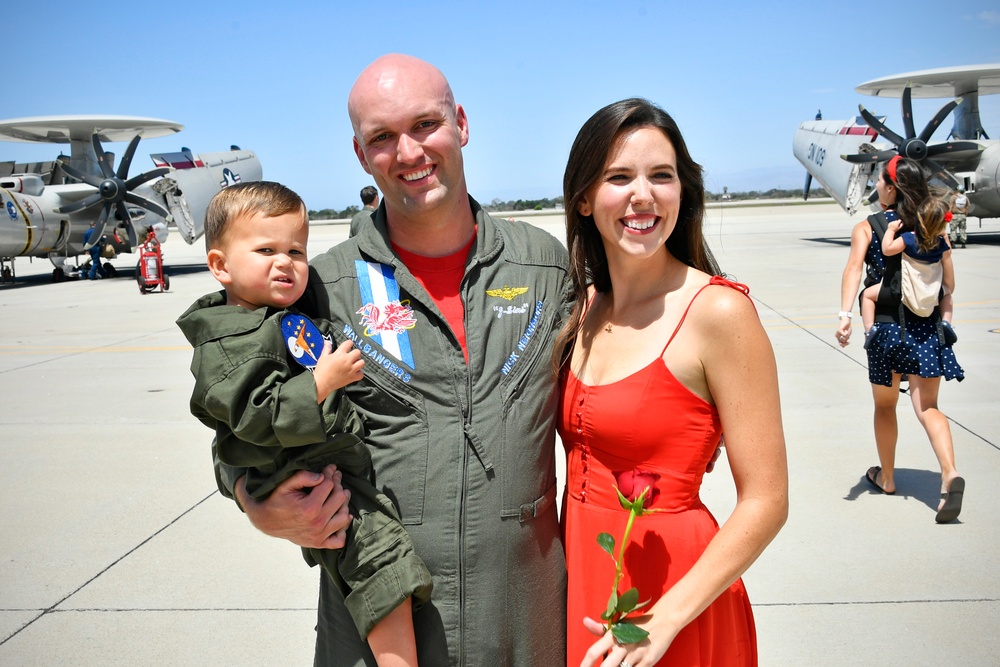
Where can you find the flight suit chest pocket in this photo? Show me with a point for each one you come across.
(529, 400)
(397, 437)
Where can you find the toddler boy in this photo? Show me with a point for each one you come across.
(273, 417)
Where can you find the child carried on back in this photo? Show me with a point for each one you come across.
(923, 284)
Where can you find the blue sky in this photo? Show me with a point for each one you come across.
(274, 77)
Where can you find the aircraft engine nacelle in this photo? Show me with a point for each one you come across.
(818, 145)
(29, 226)
(29, 184)
(984, 194)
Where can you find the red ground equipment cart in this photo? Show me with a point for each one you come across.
(149, 273)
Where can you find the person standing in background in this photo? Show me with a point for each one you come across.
(369, 197)
(956, 229)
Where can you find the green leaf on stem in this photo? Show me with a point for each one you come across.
(607, 543)
(627, 601)
(612, 607)
(626, 633)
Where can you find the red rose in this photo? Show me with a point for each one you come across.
(633, 482)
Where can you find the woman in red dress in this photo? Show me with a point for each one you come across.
(662, 358)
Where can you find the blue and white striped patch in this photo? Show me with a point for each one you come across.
(386, 320)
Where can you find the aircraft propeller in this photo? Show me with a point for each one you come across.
(912, 145)
(113, 190)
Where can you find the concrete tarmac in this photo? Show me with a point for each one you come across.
(117, 549)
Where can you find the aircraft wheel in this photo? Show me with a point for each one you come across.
(58, 275)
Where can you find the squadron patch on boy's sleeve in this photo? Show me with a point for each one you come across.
(303, 339)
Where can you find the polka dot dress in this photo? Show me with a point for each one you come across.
(919, 352)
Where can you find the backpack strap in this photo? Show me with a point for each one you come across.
(878, 224)
(891, 278)
(892, 298)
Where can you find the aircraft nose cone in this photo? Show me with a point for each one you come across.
(109, 189)
(915, 149)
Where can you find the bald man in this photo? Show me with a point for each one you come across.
(456, 316)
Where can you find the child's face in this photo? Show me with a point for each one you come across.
(263, 261)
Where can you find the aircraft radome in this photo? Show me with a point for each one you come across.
(47, 207)
(844, 155)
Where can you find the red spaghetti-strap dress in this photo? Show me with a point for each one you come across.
(651, 423)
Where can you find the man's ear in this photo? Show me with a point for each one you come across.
(217, 265)
(462, 122)
(361, 156)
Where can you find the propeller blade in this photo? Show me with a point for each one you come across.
(80, 176)
(86, 202)
(864, 158)
(908, 114)
(939, 172)
(98, 232)
(147, 176)
(147, 204)
(129, 225)
(101, 160)
(126, 161)
(953, 147)
(805, 190)
(938, 118)
(133, 240)
(879, 127)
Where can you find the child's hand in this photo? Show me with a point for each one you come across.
(895, 226)
(337, 368)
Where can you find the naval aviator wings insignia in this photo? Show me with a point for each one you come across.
(507, 293)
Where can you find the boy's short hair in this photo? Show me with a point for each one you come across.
(266, 197)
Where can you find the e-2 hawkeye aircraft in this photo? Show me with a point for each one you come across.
(47, 207)
(844, 156)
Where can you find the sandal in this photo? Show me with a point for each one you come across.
(952, 501)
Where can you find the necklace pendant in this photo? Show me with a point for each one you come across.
(608, 328)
